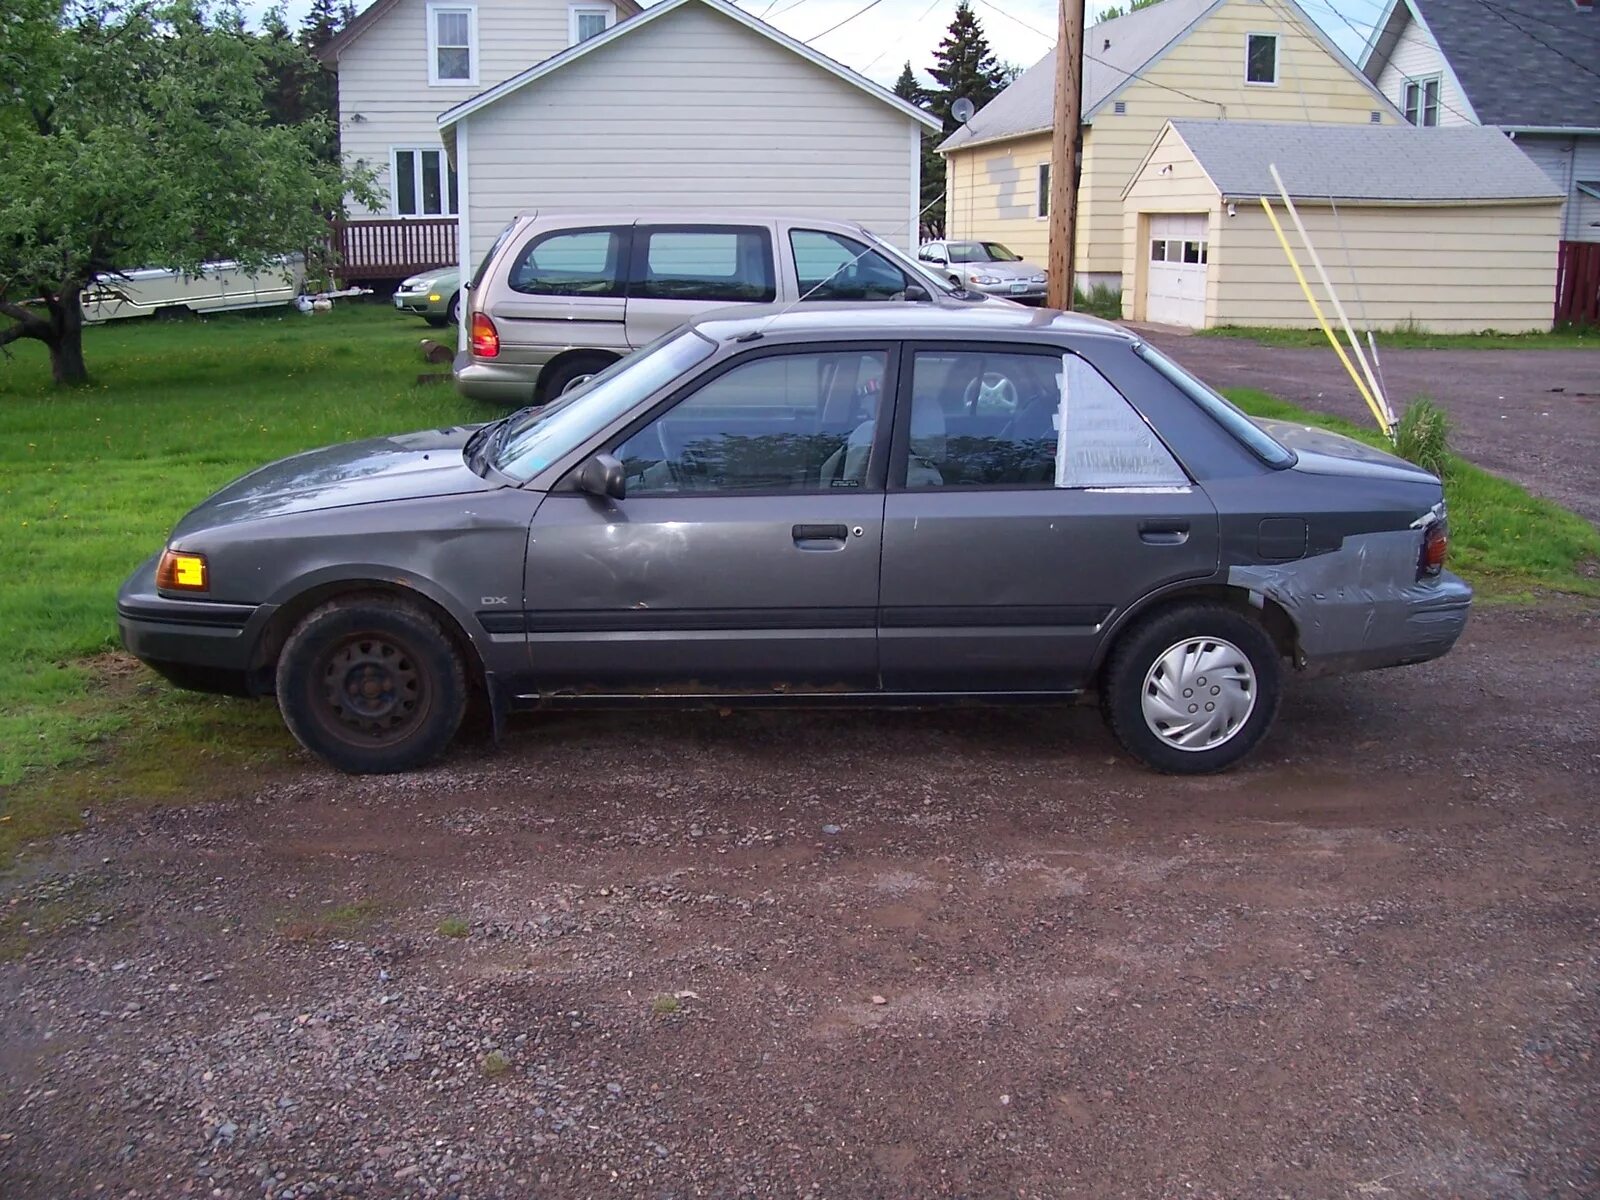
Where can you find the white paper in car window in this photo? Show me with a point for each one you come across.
(1101, 441)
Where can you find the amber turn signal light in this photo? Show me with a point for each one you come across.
(485, 337)
(1435, 546)
(182, 572)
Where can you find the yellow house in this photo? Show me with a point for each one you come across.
(1452, 230)
(1234, 60)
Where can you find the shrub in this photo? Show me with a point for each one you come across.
(1422, 435)
(1098, 301)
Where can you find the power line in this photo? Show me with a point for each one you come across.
(871, 4)
(895, 45)
(1420, 80)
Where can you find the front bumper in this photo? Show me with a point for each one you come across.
(1026, 291)
(498, 382)
(202, 645)
(418, 303)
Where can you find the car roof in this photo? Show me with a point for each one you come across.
(646, 216)
(843, 320)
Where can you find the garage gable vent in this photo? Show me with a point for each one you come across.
(1376, 118)
(1120, 107)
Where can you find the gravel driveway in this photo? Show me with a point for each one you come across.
(965, 953)
(1531, 415)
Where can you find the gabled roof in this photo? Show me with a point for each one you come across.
(330, 50)
(632, 28)
(1028, 104)
(1395, 164)
(1522, 64)
(1115, 53)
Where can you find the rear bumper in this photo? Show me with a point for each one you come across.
(497, 382)
(1425, 625)
(202, 645)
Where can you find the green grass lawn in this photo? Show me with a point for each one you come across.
(93, 480)
(1570, 337)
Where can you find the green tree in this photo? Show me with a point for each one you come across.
(964, 65)
(319, 86)
(1122, 10)
(932, 203)
(907, 87)
(138, 135)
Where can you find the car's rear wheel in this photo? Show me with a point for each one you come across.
(372, 684)
(569, 373)
(1193, 689)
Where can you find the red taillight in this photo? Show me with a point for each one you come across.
(1435, 545)
(485, 337)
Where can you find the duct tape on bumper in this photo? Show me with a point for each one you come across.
(1361, 607)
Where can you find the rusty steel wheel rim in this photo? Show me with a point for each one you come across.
(373, 691)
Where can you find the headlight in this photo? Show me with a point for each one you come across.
(1039, 278)
(182, 571)
(410, 285)
(976, 277)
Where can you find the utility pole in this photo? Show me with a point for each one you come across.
(1066, 154)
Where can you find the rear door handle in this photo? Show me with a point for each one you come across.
(807, 536)
(1164, 531)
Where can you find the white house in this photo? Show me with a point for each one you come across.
(401, 63)
(692, 105)
(1530, 68)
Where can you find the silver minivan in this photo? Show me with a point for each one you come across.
(559, 297)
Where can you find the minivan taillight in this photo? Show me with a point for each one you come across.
(485, 337)
(1435, 546)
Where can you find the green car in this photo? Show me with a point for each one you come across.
(435, 296)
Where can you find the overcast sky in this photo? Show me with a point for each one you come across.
(893, 31)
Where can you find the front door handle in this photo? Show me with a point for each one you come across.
(808, 537)
(1164, 531)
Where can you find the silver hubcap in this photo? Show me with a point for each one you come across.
(1199, 693)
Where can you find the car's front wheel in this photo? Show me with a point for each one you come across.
(372, 684)
(1193, 689)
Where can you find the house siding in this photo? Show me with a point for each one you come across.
(385, 99)
(697, 113)
(1568, 159)
(1416, 56)
(1185, 189)
(1208, 64)
(1448, 269)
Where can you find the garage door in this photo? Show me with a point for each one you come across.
(1176, 284)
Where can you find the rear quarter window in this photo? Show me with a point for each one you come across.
(1257, 440)
(571, 262)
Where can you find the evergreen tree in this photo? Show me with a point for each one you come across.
(907, 87)
(347, 13)
(964, 65)
(319, 93)
(321, 23)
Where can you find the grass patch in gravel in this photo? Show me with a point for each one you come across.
(1568, 337)
(1508, 543)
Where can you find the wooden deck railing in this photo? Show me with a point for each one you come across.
(391, 247)
(1578, 284)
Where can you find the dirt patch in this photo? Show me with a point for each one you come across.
(849, 954)
(1530, 415)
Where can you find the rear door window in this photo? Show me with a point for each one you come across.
(572, 262)
(830, 266)
(717, 264)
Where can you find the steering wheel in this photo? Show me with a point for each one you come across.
(667, 460)
(994, 389)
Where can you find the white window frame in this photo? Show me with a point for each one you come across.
(1277, 59)
(574, 11)
(1420, 83)
(444, 183)
(1041, 191)
(433, 45)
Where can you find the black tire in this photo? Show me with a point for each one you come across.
(412, 685)
(452, 312)
(1220, 631)
(436, 322)
(556, 379)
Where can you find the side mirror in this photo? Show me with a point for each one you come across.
(602, 476)
(938, 260)
(916, 293)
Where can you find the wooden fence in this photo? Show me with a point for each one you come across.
(1578, 284)
(392, 247)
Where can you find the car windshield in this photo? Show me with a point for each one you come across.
(934, 283)
(535, 437)
(979, 252)
(1219, 409)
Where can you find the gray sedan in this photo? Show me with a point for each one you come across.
(905, 504)
(986, 267)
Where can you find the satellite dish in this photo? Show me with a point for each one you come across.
(962, 109)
